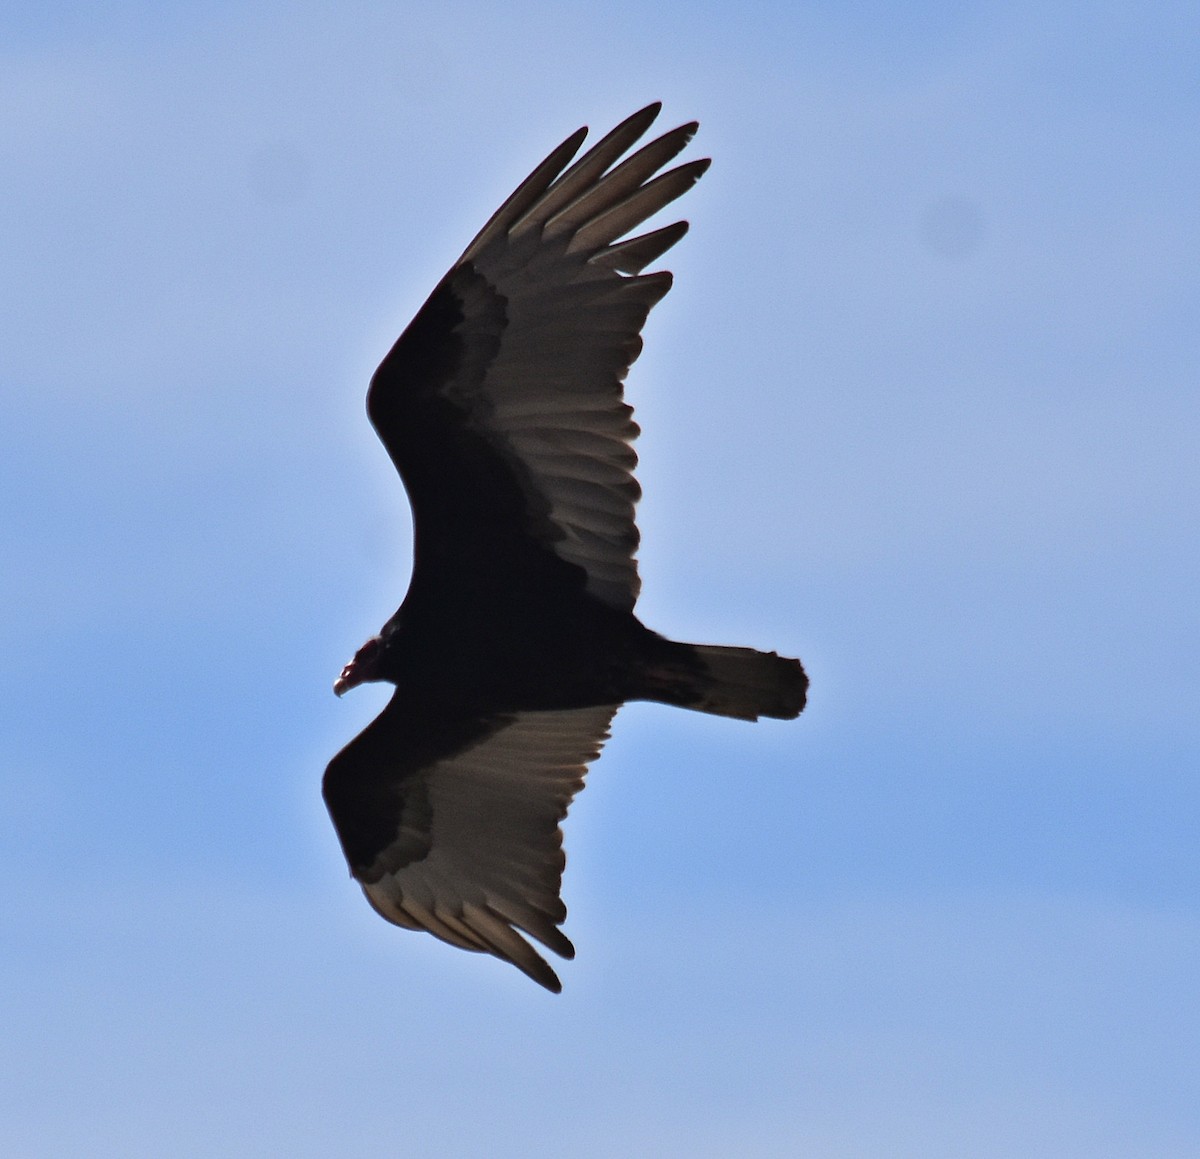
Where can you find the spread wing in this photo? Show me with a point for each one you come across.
(457, 831)
(502, 405)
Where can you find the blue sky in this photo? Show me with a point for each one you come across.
(921, 409)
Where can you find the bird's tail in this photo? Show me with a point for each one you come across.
(738, 682)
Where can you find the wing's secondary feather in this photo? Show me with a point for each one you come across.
(468, 844)
(515, 368)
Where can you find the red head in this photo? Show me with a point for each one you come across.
(364, 666)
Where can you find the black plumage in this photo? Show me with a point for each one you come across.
(502, 407)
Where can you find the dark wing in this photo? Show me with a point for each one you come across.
(501, 404)
(458, 833)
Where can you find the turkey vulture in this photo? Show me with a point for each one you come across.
(501, 406)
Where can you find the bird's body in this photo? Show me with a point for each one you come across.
(502, 408)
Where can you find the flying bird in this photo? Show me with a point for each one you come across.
(501, 406)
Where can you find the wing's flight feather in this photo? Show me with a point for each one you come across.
(588, 168)
(490, 865)
(632, 256)
(627, 177)
(618, 219)
(533, 187)
(513, 370)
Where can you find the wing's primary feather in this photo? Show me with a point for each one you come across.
(465, 842)
(566, 187)
(502, 403)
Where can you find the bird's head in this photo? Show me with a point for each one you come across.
(364, 666)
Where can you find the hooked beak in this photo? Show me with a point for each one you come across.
(348, 679)
(364, 666)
